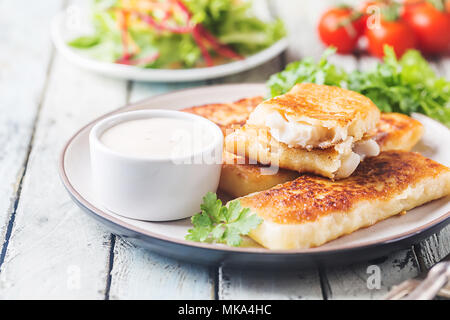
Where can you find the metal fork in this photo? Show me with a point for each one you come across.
(436, 283)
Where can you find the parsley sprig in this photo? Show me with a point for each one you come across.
(222, 224)
(407, 84)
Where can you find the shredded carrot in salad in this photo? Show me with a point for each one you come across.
(186, 33)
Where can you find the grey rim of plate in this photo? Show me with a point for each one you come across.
(213, 253)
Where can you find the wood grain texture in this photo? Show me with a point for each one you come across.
(435, 248)
(131, 276)
(55, 250)
(367, 63)
(355, 282)
(444, 67)
(250, 284)
(142, 90)
(352, 282)
(24, 62)
(300, 20)
(359, 282)
(245, 284)
(258, 74)
(141, 274)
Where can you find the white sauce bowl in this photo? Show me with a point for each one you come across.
(154, 189)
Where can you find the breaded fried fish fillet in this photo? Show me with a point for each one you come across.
(394, 132)
(312, 128)
(239, 177)
(226, 115)
(340, 161)
(316, 116)
(310, 210)
(256, 143)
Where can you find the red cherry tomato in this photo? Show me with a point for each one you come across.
(394, 33)
(340, 28)
(365, 12)
(431, 26)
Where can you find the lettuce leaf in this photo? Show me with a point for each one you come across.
(403, 85)
(231, 21)
(406, 85)
(309, 71)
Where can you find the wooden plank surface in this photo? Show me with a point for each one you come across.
(141, 274)
(433, 249)
(353, 282)
(24, 63)
(55, 250)
(356, 281)
(371, 279)
(136, 271)
(251, 284)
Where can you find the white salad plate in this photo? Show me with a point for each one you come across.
(167, 238)
(63, 29)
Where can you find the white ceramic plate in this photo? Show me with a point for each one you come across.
(168, 237)
(63, 30)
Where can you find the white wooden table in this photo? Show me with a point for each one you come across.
(50, 249)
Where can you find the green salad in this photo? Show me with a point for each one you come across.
(176, 33)
(402, 85)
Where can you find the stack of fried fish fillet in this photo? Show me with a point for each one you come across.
(320, 162)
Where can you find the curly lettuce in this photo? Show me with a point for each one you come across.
(231, 23)
(404, 85)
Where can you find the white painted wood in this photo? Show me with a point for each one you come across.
(55, 250)
(259, 74)
(348, 62)
(245, 284)
(367, 63)
(141, 274)
(24, 61)
(250, 284)
(142, 90)
(351, 282)
(435, 248)
(445, 67)
(300, 18)
(358, 282)
(131, 276)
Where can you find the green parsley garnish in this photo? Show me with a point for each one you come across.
(307, 70)
(402, 85)
(222, 224)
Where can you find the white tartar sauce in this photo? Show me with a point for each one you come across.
(157, 137)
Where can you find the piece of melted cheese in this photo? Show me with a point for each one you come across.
(339, 161)
(310, 122)
(240, 177)
(316, 116)
(310, 210)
